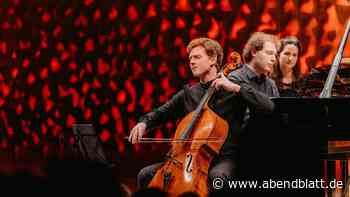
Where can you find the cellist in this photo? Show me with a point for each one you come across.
(234, 94)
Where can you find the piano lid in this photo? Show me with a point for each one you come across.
(327, 89)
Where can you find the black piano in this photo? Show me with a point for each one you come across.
(292, 143)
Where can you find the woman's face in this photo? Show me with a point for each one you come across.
(288, 56)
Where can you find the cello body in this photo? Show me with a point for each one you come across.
(187, 164)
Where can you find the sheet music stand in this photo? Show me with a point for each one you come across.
(87, 145)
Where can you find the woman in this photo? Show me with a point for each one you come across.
(286, 72)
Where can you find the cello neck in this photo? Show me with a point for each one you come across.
(234, 61)
(197, 112)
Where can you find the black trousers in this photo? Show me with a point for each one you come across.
(224, 168)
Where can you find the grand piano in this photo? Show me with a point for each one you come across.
(306, 138)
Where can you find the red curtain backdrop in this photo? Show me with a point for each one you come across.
(109, 62)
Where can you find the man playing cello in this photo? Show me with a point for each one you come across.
(234, 94)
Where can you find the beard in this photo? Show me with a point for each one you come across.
(195, 72)
(198, 72)
(269, 68)
(266, 68)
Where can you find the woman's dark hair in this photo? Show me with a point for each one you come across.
(289, 40)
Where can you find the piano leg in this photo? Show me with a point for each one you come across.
(342, 168)
(347, 180)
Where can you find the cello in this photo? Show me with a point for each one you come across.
(198, 139)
